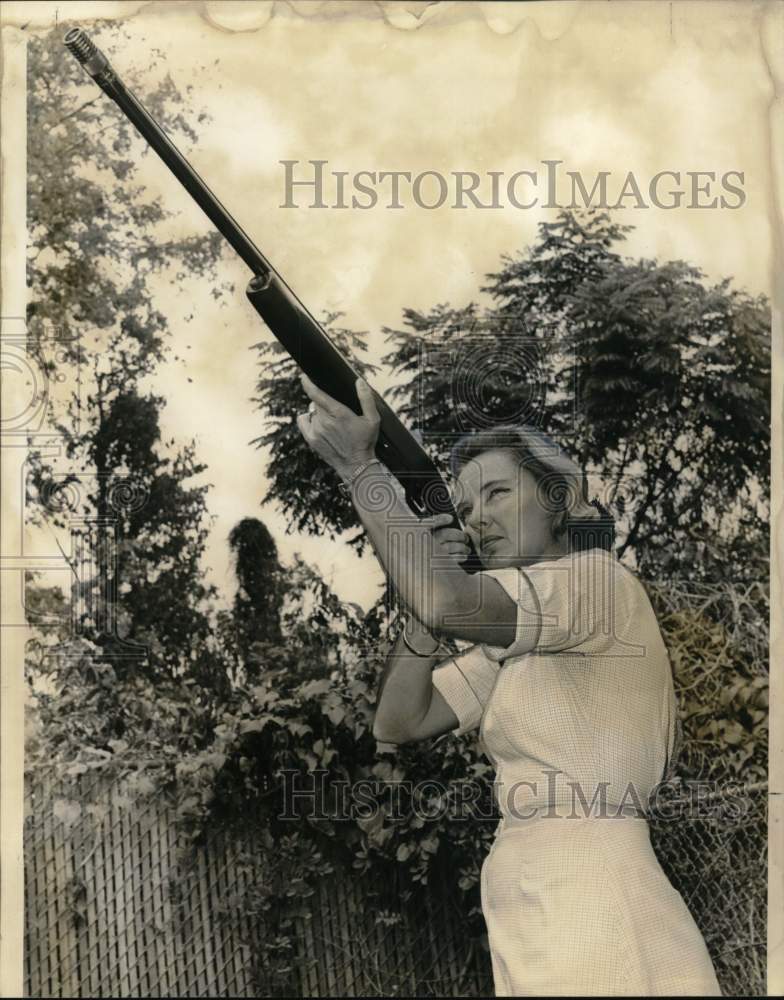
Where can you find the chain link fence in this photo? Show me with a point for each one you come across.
(117, 906)
(119, 903)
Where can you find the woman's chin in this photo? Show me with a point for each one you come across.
(498, 560)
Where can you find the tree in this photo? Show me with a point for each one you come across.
(97, 241)
(304, 487)
(656, 383)
(261, 586)
(663, 393)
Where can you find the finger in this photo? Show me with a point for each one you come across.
(367, 400)
(453, 540)
(446, 535)
(456, 549)
(305, 426)
(331, 406)
(438, 520)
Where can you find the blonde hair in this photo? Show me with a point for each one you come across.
(563, 485)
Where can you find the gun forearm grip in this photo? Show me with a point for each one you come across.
(311, 348)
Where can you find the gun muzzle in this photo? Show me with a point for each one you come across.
(86, 52)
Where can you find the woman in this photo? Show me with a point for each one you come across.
(568, 679)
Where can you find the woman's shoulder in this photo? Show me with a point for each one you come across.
(591, 578)
(580, 602)
(588, 563)
(601, 571)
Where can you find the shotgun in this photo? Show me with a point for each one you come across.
(287, 318)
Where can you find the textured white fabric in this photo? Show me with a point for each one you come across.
(466, 682)
(582, 602)
(575, 901)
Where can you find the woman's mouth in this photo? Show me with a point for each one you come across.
(490, 541)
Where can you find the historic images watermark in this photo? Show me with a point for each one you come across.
(312, 184)
(320, 796)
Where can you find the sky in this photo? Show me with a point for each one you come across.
(622, 88)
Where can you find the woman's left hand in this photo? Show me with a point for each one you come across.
(343, 439)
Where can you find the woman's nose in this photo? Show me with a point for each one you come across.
(475, 519)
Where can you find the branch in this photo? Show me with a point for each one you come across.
(62, 551)
(92, 137)
(77, 110)
(622, 467)
(631, 538)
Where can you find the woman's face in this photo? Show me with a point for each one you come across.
(496, 499)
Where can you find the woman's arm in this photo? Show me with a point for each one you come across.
(408, 706)
(421, 556)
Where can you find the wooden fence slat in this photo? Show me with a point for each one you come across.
(85, 976)
(136, 956)
(124, 901)
(151, 877)
(205, 941)
(166, 871)
(147, 908)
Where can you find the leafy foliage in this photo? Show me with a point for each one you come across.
(97, 240)
(256, 614)
(305, 488)
(657, 384)
(717, 636)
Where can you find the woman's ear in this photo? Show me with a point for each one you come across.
(558, 526)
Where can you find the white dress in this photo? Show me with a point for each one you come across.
(574, 898)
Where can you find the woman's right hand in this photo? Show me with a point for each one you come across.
(448, 540)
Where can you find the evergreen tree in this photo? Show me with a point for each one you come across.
(261, 584)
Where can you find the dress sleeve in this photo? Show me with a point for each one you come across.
(465, 682)
(581, 602)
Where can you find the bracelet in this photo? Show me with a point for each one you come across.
(413, 649)
(345, 486)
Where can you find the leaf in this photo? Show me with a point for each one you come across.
(734, 734)
(404, 852)
(97, 812)
(372, 824)
(314, 688)
(336, 714)
(144, 785)
(254, 725)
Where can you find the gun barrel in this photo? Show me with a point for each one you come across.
(97, 65)
(80, 44)
(276, 303)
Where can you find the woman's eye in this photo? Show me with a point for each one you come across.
(497, 489)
